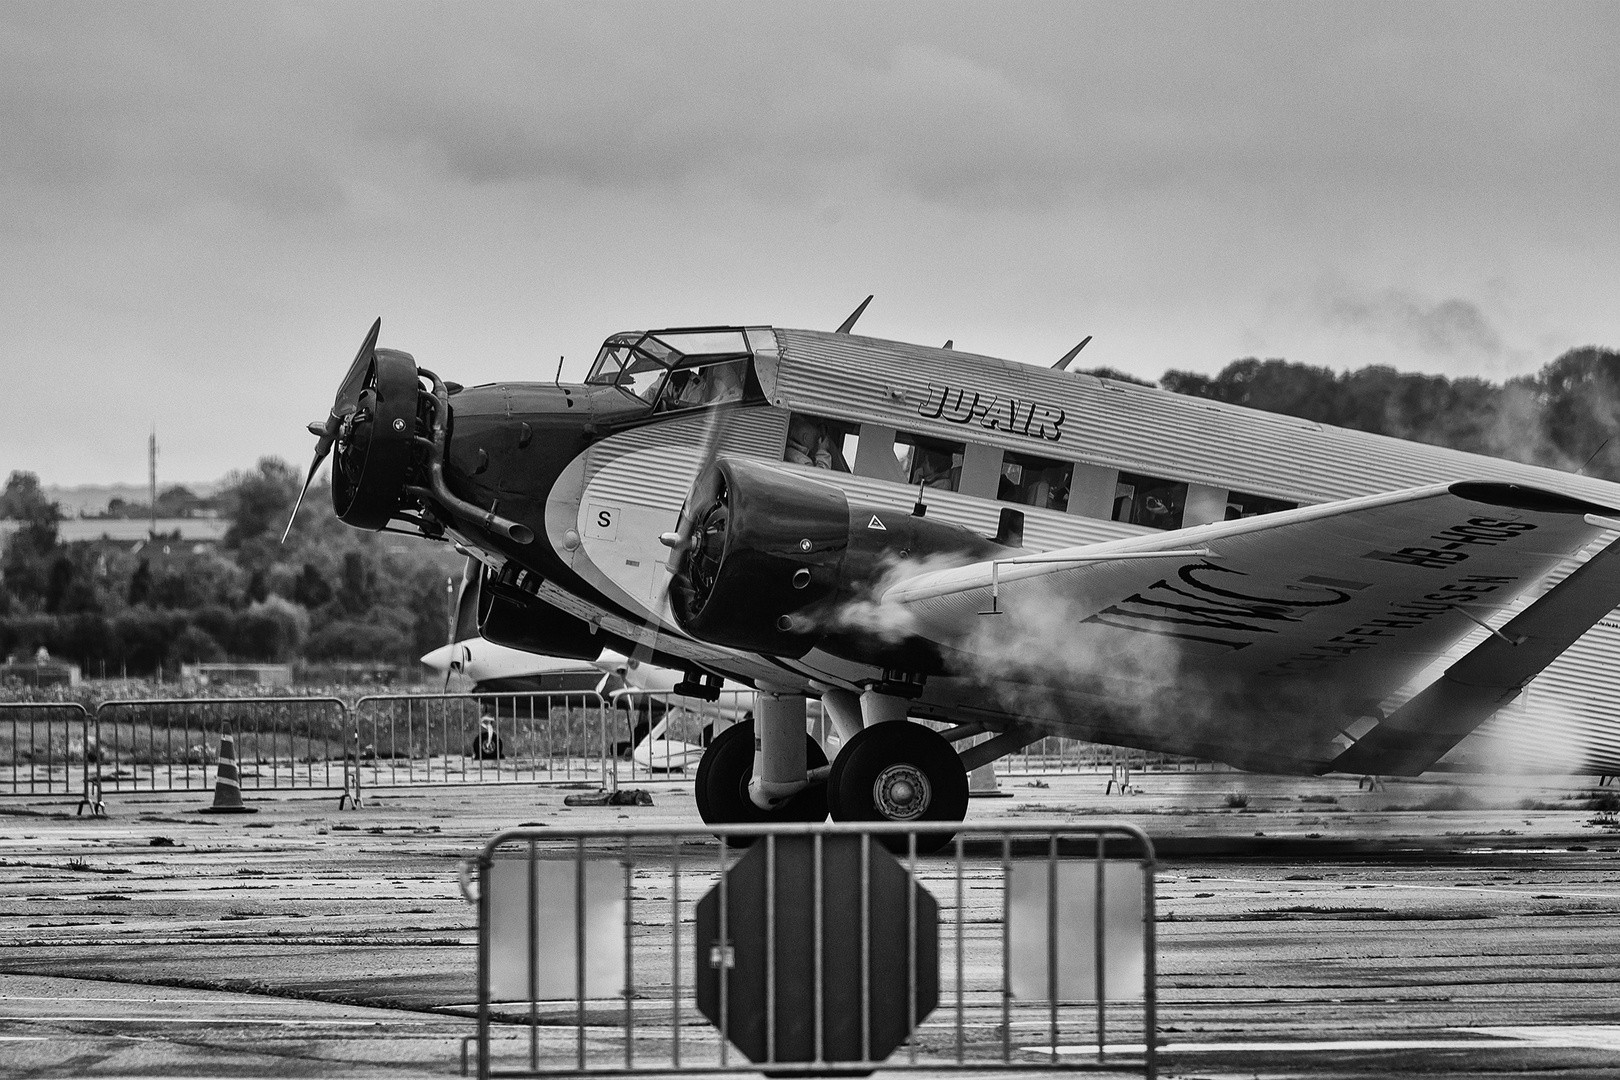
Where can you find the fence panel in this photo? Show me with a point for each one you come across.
(667, 732)
(501, 738)
(282, 743)
(1042, 955)
(44, 748)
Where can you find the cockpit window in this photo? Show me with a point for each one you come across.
(703, 342)
(616, 353)
(642, 377)
(678, 369)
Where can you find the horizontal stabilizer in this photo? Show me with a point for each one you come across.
(1420, 732)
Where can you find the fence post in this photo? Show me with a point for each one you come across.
(351, 757)
(90, 794)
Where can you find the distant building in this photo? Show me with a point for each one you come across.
(193, 530)
(238, 674)
(39, 674)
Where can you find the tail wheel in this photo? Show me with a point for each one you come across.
(721, 786)
(899, 771)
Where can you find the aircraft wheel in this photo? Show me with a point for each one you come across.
(721, 786)
(899, 771)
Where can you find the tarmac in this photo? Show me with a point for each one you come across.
(1306, 927)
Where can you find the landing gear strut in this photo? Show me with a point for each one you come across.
(722, 781)
(899, 771)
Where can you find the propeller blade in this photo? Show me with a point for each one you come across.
(348, 394)
(646, 643)
(687, 524)
(349, 389)
(320, 456)
(348, 398)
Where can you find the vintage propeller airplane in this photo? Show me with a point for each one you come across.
(913, 533)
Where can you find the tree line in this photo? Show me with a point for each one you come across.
(330, 593)
(1565, 416)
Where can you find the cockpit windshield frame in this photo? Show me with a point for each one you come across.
(640, 366)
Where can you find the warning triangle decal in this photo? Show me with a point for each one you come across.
(876, 524)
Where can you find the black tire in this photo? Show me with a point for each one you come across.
(721, 786)
(914, 752)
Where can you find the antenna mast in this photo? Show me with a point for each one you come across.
(151, 477)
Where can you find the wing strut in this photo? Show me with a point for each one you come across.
(1420, 732)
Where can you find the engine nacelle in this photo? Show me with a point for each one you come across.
(374, 447)
(781, 564)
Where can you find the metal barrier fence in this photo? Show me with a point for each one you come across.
(44, 748)
(412, 739)
(663, 734)
(1056, 754)
(1027, 946)
(282, 743)
(394, 740)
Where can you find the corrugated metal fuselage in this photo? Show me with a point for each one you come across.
(607, 477)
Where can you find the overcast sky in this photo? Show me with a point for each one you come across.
(203, 206)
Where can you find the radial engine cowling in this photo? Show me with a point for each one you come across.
(779, 564)
(375, 442)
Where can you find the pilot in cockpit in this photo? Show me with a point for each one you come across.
(725, 383)
(712, 385)
(687, 388)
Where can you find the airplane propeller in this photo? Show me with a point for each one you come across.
(344, 407)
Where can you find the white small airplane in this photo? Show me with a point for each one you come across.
(646, 691)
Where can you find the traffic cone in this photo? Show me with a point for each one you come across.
(982, 783)
(227, 782)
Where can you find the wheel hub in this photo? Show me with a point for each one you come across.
(901, 792)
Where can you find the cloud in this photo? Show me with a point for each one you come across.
(1452, 328)
(285, 108)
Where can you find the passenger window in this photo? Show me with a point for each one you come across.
(821, 443)
(1035, 481)
(1150, 501)
(1245, 506)
(935, 463)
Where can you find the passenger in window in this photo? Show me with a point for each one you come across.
(1156, 511)
(933, 468)
(1034, 481)
(802, 441)
(1159, 506)
(810, 443)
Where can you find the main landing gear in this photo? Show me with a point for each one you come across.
(724, 775)
(899, 771)
(888, 770)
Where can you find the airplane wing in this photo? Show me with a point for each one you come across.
(1279, 639)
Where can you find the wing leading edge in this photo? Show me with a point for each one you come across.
(1284, 631)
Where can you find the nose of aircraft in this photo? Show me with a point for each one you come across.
(444, 659)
